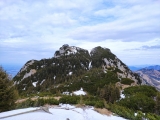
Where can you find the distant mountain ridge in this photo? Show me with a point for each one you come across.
(72, 68)
(137, 67)
(151, 75)
(155, 67)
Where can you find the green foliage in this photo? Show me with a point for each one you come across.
(53, 71)
(8, 93)
(126, 81)
(90, 82)
(110, 93)
(130, 114)
(44, 94)
(152, 116)
(99, 104)
(36, 103)
(100, 52)
(157, 106)
(138, 102)
(122, 111)
(90, 103)
(93, 101)
(141, 98)
(146, 90)
(117, 70)
(69, 99)
(140, 116)
(50, 101)
(53, 77)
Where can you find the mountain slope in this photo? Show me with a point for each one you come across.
(155, 67)
(151, 76)
(72, 68)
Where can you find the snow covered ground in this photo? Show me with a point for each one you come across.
(61, 112)
(79, 92)
(122, 95)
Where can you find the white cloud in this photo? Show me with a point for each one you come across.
(57, 19)
(35, 29)
(126, 23)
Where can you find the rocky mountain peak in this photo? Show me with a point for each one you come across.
(98, 50)
(74, 64)
(67, 50)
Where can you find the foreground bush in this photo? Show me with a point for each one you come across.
(8, 93)
(69, 99)
(127, 81)
(122, 111)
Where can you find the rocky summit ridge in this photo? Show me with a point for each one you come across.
(72, 68)
(67, 50)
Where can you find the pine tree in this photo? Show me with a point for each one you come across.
(8, 93)
(110, 93)
(157, 106)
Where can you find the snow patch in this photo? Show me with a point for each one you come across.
(135, 114)
(90, 65)
(104, 71)
(61, 112)
(80, 92)
(122, 95)
(34, 84)
(70, 73)
(42, 82)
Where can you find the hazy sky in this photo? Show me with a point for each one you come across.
(34, 29)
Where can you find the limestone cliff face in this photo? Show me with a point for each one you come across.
(110, 62)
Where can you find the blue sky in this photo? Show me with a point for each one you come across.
(35, 29)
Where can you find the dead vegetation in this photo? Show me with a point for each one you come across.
(103, 111)
(35, 98)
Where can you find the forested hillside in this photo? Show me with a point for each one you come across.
(106, 80)
(74, 65)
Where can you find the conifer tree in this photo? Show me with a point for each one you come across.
(8, 93)
(110, 93)
(157, 106)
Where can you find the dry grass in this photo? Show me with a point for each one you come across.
(103, 111)
(35, 98)
(80, 105)
(21, 100)
(57, 98)
(123, 86)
